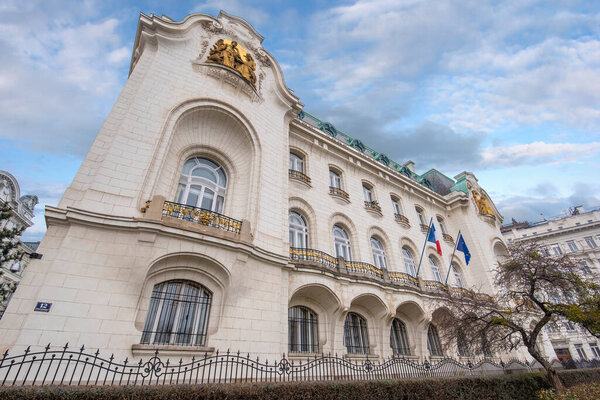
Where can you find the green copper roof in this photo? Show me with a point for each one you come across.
(328, 128)
(461, 185)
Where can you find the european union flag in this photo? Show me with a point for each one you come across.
(462, 246)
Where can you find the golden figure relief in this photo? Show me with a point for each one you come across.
(482, 204)
(231, 54)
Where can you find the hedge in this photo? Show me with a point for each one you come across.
(509, 387)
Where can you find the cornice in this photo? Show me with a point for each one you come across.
(55, 215)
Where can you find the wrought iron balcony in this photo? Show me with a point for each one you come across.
(364, 268)
(299, 176)
(424, 228)
(313, 255)
(339, 193)
(373, 205)
(403, 279)
(435, 286)
(401, 218)
(461, 291)
(448, 237)
(201, 216)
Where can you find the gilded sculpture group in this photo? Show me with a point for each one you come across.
(229, 55)
(482, 204)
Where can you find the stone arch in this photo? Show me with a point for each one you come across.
(414, 318)
(303, 207)
(191, 267)
(375, 311)
(346, 222)
(323, 301)
(207, 127)
(500, 250)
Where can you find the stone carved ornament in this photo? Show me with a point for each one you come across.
(482, 204)
(230, 54)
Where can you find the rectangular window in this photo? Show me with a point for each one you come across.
(572, 245)
(334, 180)
(590, 242)
(595, 350)
(396, 207)
(545, 251)
(568, 326)
(556, 249)
(368, 194)
(296, 163)
(580, 351)
(585, 268)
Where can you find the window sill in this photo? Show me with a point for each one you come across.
(150, 349)
(302, 356)
(361, 356)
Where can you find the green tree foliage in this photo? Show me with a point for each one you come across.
(534, 289)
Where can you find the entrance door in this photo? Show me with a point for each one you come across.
(564, 356)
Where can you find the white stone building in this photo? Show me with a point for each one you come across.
(22, 215)
(317, 238)
(577, 234)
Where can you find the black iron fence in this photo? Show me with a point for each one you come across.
(65, 366)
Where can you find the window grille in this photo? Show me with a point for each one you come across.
(399, 338)
(178, 314)
(356, 338)
(303, 330)
(433, 342)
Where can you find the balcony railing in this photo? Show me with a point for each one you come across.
(435, 286)
(299, 176)
(403, 278)
(401, 218)
(424, 228)
(314, 256)
(338, 192)
(364, 268)
(373, 205)
(447, 237)
(459, 290)
(201, 216)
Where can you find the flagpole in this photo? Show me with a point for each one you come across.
(452, 259)
(424, 244)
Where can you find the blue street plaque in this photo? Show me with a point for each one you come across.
(44, 307)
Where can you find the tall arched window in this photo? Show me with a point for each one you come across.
(396, 205)
(409, 262)
(341, 241)
(303, 330)
(335, 181)
(442, 225)
(461, 344)
(298, 230)
(356, 338)
(433, 342)
(378, 253)
(435, 269)
(399, 338)
(177, 314)
(202, 184)
(458, 278)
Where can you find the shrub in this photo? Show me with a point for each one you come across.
(587, 391)
(507, 387)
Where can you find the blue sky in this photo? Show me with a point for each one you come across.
(507, 89)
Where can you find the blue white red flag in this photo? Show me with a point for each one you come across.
(434, 237)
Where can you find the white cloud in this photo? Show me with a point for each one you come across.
(537, 153)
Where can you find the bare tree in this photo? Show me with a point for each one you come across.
(533, 289)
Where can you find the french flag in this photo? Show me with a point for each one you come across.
(434, 237)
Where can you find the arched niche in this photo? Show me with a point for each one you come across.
(190, 267)
(213, 130)
(413, 316)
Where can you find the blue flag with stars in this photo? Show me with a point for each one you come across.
(462, 246)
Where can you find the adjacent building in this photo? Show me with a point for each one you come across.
(576, 234)
(22, 207)
(213, 212)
